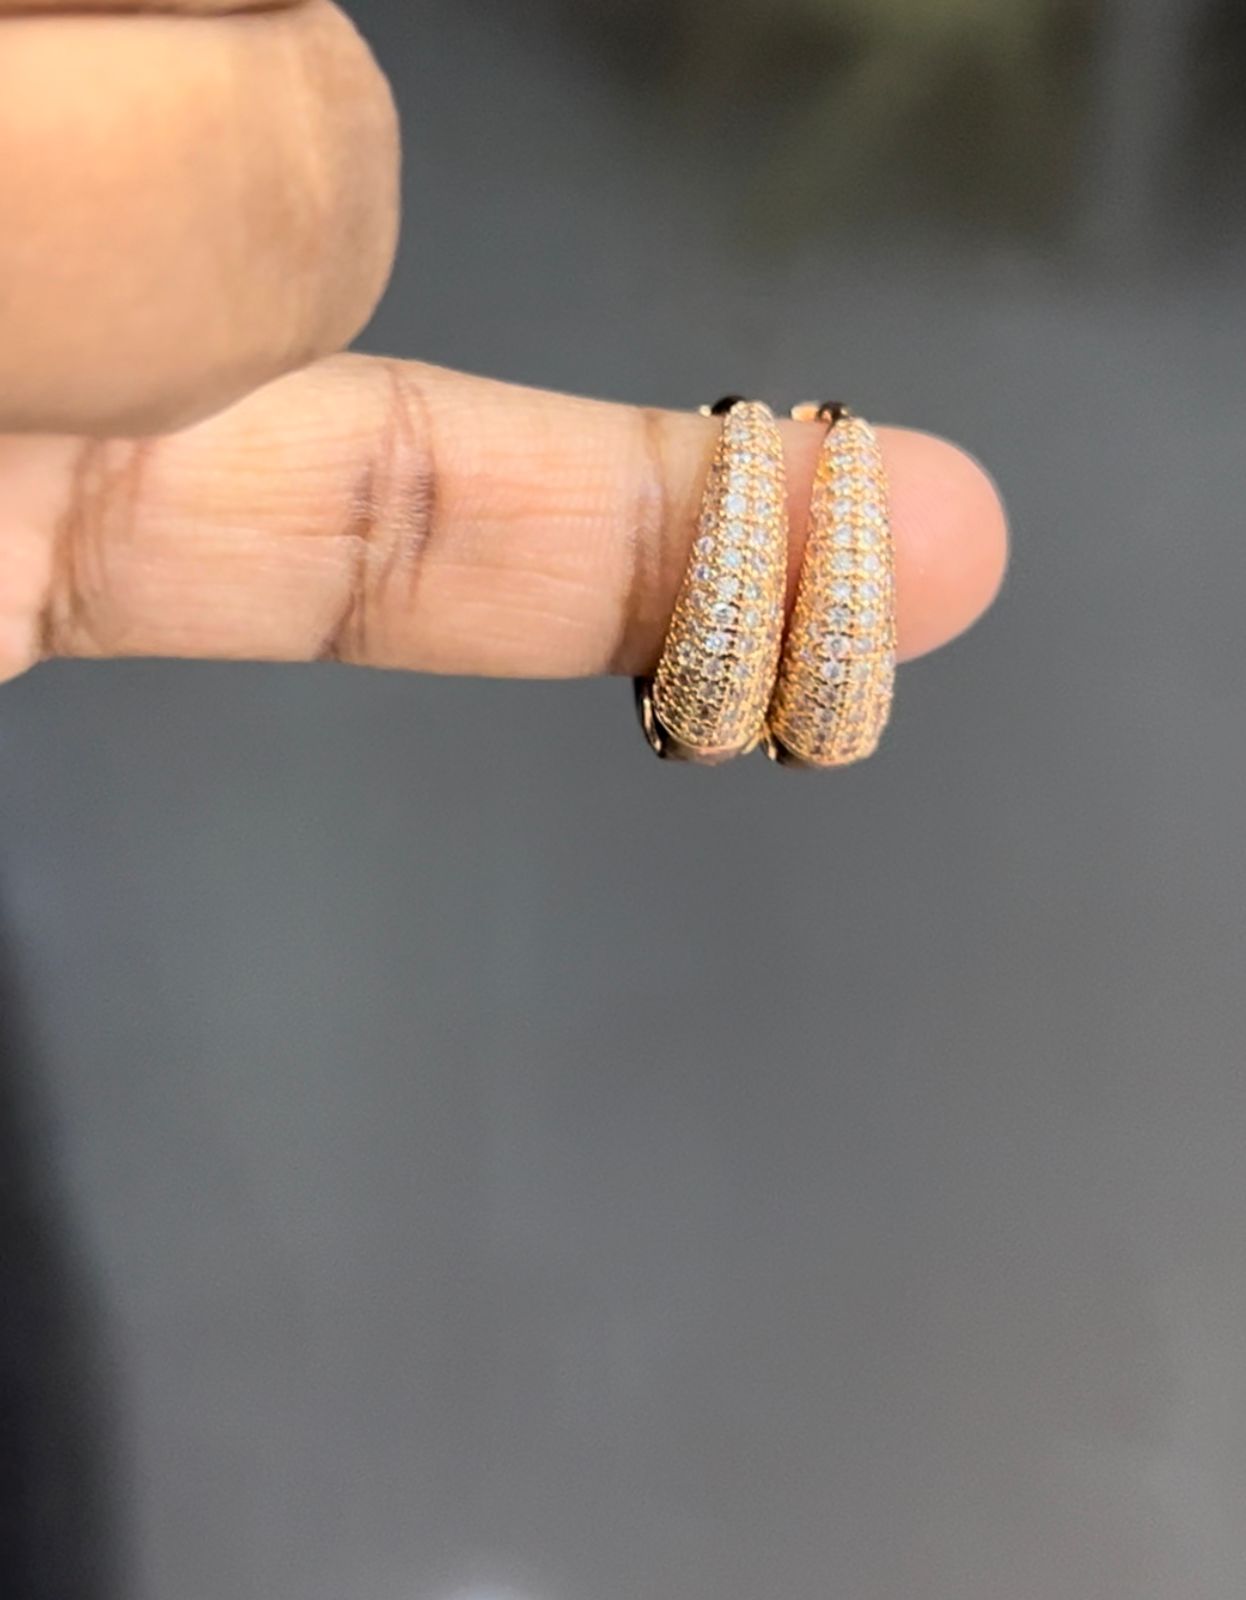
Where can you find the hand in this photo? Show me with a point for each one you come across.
(192, 205)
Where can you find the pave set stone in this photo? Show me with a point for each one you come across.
(836, 683)
(713, 682)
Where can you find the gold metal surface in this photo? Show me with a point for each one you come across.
(707, 700)
(836, 679)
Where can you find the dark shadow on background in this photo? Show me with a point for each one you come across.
(57, 1530)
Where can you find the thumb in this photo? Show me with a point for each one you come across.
(194, 198)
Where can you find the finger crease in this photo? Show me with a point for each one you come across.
(392, 522)
(105, 487)
(647, 533)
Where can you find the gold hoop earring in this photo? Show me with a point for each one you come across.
(708, 698)
(836, 679)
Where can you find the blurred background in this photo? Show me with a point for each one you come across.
(447, 1155)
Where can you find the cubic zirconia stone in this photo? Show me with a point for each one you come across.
(820, 709)
(712, 680)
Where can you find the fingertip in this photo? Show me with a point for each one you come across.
(951, 538)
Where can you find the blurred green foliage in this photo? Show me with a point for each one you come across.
(971, 104)
(975, 105)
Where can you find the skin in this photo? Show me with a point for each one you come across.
(233, 226)
(234, 218)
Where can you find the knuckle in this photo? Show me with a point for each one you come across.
(100, 515)
(392, 523)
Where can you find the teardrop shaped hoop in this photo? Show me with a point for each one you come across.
(707, 699)
(836, 679)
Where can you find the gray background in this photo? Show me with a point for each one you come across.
(438, 1165)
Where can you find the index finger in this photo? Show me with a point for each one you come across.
(396, 515)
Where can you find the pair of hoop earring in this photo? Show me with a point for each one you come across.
(817, 694)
